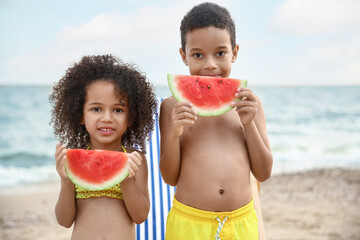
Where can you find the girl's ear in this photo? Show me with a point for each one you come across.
(82, 122)
(183, 56)
(235, 53)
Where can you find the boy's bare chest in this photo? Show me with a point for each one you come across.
(226, 128)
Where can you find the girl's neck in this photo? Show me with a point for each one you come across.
(111, 147)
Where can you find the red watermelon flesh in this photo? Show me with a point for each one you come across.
(96, 169)
(210, 96)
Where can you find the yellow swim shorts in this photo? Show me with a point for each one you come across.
(187, 223)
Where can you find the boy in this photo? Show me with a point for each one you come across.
(209, 159)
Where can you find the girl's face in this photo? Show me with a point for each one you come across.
(209, 52)
(105, 116)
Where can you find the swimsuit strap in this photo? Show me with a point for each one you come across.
(121, 146)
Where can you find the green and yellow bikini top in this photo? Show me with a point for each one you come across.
(114, 192)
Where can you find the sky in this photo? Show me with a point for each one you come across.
(281, 42)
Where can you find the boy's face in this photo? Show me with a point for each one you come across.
(208, 52)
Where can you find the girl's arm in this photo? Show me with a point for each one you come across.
(135, 188)
(65, 209)
(252, 117)
(174, 117)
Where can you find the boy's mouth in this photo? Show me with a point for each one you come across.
(214, 75)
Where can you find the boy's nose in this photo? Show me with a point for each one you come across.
(210, 63)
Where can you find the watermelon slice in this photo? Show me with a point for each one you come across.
(96, 170)
(210, 96)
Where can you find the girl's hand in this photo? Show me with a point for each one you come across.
(60, 157)
(134, 163)
(247, 106)
(181, 115)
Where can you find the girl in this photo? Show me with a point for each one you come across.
(103, 103)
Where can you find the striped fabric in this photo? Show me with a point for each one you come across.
(161, 194)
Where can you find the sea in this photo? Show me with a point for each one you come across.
(309, 127)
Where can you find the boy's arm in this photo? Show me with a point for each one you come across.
(135, 189)
(173, 117)
(258, 146)
(252, 116)
(65, 209)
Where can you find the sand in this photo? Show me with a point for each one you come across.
(319, 204)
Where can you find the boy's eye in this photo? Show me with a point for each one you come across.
(197, 55)
(96, 109)
(221, 53)
(118, 110)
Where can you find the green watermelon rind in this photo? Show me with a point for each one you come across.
(96, 187)
(201, 112)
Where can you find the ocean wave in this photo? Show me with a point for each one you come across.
(11, 176)
(25, 159)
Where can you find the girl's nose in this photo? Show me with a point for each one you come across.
(107, 116)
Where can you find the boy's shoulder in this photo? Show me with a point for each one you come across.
(167, 102)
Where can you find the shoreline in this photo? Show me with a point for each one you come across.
(315, 204)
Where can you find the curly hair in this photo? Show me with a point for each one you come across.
(206, 15)
(68, 99)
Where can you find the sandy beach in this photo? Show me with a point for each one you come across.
(319, 204)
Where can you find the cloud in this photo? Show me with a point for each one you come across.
(148, 37)
(324, 37)
(315, 17)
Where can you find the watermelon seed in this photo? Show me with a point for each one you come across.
(208, 86)
(220, 81)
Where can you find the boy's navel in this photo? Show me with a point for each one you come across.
(221, 190)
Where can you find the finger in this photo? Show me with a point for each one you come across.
(183, 104)
(184, 122)
(184, 109)
(249, 110)
(240, 104)
(133, 166)
(60, 163)
(61, 156)
(247, 94)
(136, 158)
(59, 149)
(131, 173)
(185, 115)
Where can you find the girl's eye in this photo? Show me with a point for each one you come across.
(96, 109)
(197, 55)
(221, 53)
(118, 110)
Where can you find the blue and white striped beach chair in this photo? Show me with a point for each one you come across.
(161, 194)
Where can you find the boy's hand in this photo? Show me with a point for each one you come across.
(181, 115)
(134, 163)
(60, 157)
(247, 107)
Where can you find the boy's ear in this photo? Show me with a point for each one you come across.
(183, 56)
(235, 53)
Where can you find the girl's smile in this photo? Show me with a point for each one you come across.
(106, 130)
